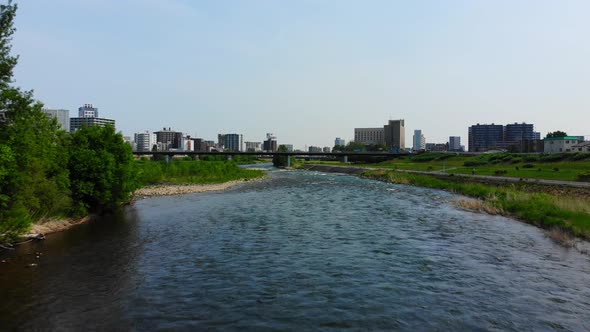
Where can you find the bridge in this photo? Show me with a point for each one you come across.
(231, 154)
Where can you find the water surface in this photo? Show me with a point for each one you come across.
(300, 250)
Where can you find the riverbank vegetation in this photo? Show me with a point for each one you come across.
(567, 213)
(48, 174)
(559, 166)
(193, 172)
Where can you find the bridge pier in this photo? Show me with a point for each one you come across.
(345, 159)
(288, 161)
(230, 157)
(167, 159)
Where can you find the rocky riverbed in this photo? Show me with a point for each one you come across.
(180, 189)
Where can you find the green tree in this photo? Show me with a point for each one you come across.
(103, 173)
(281, 161)
(33, 176)
(557, 133)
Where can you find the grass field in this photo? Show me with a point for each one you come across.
(565, 167)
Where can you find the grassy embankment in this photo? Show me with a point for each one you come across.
(566, 166)
(192, 172)
(567, 213)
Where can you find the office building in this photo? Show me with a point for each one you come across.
(169, 139)
(455, 144)
(326, 149)
(419, 141)
(395, 135)
(369, 136)
(314, 149)
(145, 141)
(486, 137)
(289, 147)
(62, 117)
(339, 142)
(231, 142)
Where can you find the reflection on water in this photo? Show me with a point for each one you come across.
(300, 250)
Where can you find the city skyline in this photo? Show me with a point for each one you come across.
(326, 68)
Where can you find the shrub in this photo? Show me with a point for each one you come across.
(474, 163)
(528, 166)
(500, 172)
(584, 176)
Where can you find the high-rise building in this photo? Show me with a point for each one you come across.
(88, 117)
(231, 142)
(369, 135)
(395, 134)
(455, 143)
(62, 117)
(485, 137)
(270, 145)
(77, 123)
(518, 132)
(418, 140)
(339, 142)
(87, 111)
(169, 139)
(145, 141)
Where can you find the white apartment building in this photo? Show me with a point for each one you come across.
(145, 141)
(419, 141)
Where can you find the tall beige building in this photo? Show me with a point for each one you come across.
(369, 135)
(395, 134)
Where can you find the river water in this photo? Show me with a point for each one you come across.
(297, 251)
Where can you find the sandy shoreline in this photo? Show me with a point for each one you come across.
(45, 227)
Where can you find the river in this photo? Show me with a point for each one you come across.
(297, 251)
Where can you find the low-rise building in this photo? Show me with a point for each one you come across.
(315, 149)
(327, 149)
(581, 147)
(561, 144)
(253, 146)
(437, 147)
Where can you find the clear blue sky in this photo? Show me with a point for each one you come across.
(310, 70)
